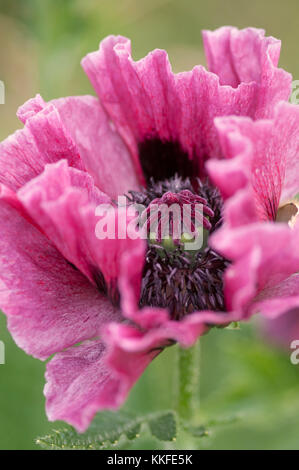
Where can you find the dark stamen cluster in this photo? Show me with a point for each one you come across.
(182, 281)
(155, 190)
(212, 195)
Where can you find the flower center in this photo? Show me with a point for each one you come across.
(176, 275)
(161, 160)
(178, 216)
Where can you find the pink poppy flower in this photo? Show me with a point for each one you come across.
(151, 132)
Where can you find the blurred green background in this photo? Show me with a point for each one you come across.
(42, 43)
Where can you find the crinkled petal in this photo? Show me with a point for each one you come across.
(267, 161)
(270, 149)
(43, 140)
(130, 350)
(244, 56)
(277, 300)
(30, 108)
(79, 383)
(54, 200)
(63, 202)
(102, 150)
(49, 304)
(235, 167)
(147, 102)
(287, 127)
(185, 332)
(264, 255)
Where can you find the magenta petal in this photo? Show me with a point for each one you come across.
(235, 167)
(79, 383)
(10, 197)
(273, 301)
(55, 200)
(185, 332)
(49, 304)
(267, 164)
(104, 154)
(31, 108)
(286, 128)
(137, 96)
(244, 56)
(240, 209)
(63, 202)
(284, 329)
(146, 100)
(87, 378)
(130, 350)
(264, 256)
(43, 140)
(130, 281)
(265, 153)
(102, 150)
(241, 280)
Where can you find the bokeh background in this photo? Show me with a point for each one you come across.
(242, 375)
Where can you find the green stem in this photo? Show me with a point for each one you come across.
(188, 382)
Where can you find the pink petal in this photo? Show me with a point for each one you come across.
(244, 56)
(235, 167)
(43, 140)
(53, 200)
(80, 381)
(130, 282)
(63, 202)
(102, 150)
(284, 329)
(264, 256)
(85, 379)
(269, 148)
(49, 304)
(277, 300)
(130, 350)
(30, 108)
(241, 281)
(147, 101)
(185, 332)
(287, 127)
(79, 384)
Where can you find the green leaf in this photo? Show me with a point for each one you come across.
(163, 426)
(108, 427)
(197, 431)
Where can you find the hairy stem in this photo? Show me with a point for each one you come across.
(188, 382)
